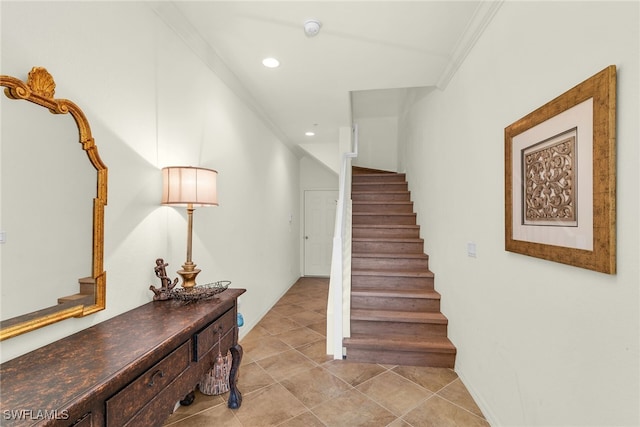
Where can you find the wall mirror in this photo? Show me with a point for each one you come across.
(52, 208)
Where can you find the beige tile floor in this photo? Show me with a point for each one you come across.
(287, 380)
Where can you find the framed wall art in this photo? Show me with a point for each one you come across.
(560, 178)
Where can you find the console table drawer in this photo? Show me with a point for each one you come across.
(207, 338)
(122, 406)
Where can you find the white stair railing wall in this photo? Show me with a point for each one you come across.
(338, 305)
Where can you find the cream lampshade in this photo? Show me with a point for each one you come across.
(190, 187)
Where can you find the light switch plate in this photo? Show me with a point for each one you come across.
(471, 249)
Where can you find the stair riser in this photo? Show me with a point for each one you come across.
(373, 196)
(391, 177)
(404, 207)
(387, 247)
(373, 186)
(402, 264)
(398, 329)
(395, 304)
(389, 219)
(399, 233)
(399, 357)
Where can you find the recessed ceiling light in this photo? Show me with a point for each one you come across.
(309, 133)
(271, 62)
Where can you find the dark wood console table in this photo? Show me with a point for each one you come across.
(128, 370)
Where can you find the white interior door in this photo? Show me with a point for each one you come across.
(319, 220)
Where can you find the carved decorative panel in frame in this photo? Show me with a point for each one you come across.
(560, 178)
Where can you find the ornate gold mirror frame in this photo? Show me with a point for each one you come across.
(39, 89)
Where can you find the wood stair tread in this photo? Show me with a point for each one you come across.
(382, 214)
(361, 170)
(365, 179)
(390, 255)
(396, 293)
(388, 239)
(372, 172)
(375, 178)
(390, 226)
(441, 344)
(382, 202)
(383, 184)
(356, 192)
(391, 272)
(398, 316)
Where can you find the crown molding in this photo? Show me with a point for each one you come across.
(484, 13)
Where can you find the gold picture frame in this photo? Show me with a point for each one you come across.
(39, 89)
(560, 178)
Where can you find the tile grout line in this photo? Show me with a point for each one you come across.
(461, 407)
(465, 387)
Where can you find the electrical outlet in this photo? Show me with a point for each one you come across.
(3, 237)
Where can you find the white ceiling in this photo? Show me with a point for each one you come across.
(365, 49)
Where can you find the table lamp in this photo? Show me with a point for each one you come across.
(190, 187)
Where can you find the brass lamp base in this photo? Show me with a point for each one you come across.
(188, 274)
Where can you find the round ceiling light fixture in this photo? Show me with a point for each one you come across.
(312, 27)
(271, 62)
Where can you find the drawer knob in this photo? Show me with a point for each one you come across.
(153, 377)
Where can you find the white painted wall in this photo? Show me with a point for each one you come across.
(539, 343)
(152, 103)
(325, 153)
(315, 175)
(377, 143)
(376, 114)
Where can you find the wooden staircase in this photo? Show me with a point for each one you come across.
(395, 310)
